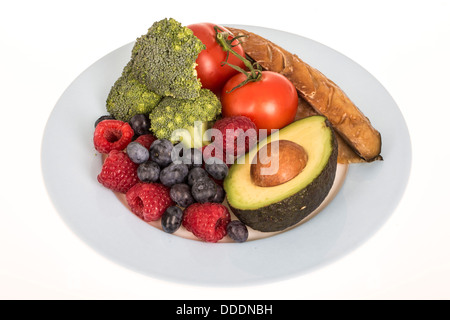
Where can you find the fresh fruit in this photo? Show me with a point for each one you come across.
(216, 168)
(140, 124)
(320, 93)
(181, 194)
(204, 190)
(271, 102)
(215, 150)
(211, 70)
(239, 135)
(192, 157)
(148, 171)
(161, 152)
(112, 135)
(292, 159)
(137, 152)
(105, 117)
(149, 200)
(173, 174)
(281, 206)
(172, 219)
(237, 231)
(146, 140)
(118, 173)
(207, 221)
(196, 174)
(220, 195)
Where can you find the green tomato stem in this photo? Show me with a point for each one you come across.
(255, 69)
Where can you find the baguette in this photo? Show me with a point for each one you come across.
(325, 97)
(346, 155)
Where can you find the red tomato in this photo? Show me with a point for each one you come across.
(271, 102)
(209, 69)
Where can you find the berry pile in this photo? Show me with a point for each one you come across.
(178, 186)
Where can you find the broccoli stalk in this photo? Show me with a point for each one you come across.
(185, 120)
(164, 60)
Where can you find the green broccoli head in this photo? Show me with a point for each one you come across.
(164, 60)
(193, 115)
(129, 97)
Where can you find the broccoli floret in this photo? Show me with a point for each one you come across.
(129, 97)
(172, 114)
(164, 60)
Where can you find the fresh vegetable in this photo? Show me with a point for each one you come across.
(271, 102)
(269, 99)
(211, 69)
(172, 114)
(128, 97)
(321, 93)
(164, 60)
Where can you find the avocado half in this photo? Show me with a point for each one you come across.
(276, 208)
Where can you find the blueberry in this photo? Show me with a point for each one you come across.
(105, 117)
(193, 157)
(220, 195)
(196, 174)
(204, 190)
(137, 152)
(237, 231)
(173, 174)
(140, 124)
(216, 168)
(171, 219)
(161, 152)
(148, 171)
(181, 194)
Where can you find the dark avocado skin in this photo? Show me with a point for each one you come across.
(286, 213)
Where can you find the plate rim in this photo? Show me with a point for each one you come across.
(263, 242)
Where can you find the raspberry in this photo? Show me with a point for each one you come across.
(146, 140)
(207, 221)
(149, 200)
(118, 173)
(112, 135)
(213, 151)
(234, 129)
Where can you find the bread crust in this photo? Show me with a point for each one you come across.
(324, 96)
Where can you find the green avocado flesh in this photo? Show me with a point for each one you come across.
(279, 207)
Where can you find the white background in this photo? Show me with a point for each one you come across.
(45, 45)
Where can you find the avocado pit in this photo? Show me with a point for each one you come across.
(291, 157)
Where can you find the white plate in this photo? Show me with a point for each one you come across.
(367, 198)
